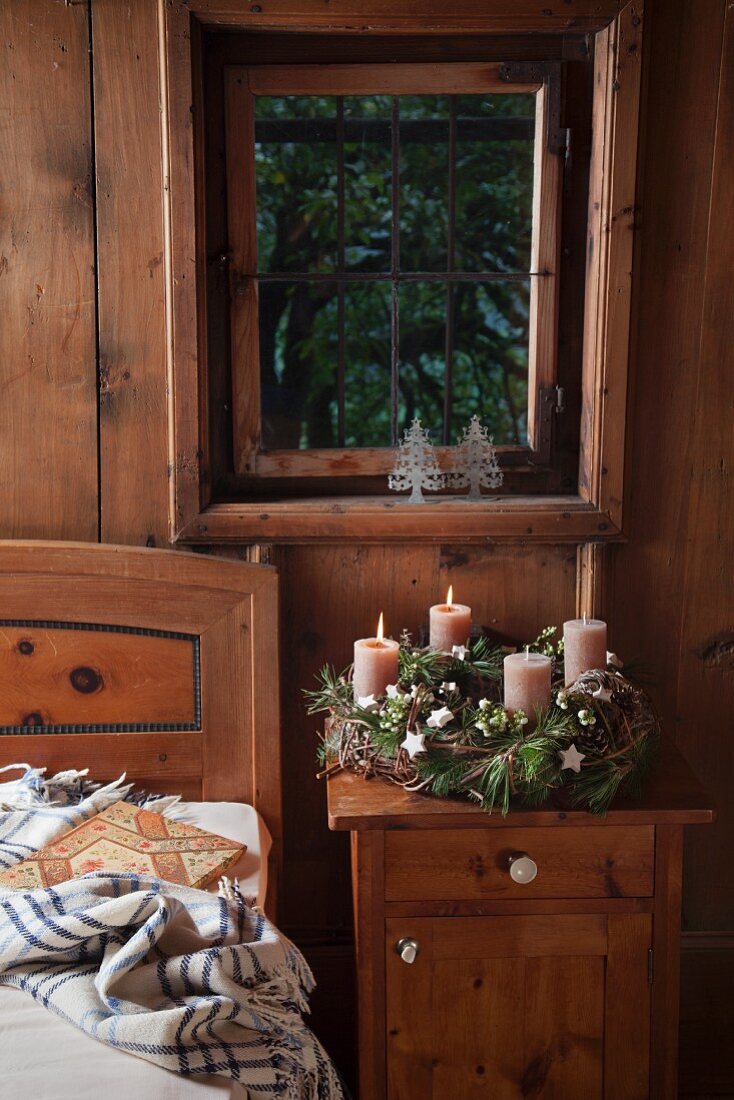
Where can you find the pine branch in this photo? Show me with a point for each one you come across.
(334, 694)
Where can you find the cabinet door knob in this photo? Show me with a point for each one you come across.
(407, 949)
(522, 868)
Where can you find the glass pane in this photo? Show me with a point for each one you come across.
(367, 366)
(367, 182)
(296, 180)
(298, 358)
(298, 217)
(490, 363)
(422, 347)
(424, 177)
(494, 182)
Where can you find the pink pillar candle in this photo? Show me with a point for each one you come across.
(584, 647)
(375, 665)
(527, 682)
(450, 624)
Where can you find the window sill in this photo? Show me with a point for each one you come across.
(385, 519)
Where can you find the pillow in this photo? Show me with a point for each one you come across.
(240, 823)
(127, 838)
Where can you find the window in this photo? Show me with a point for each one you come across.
(567, 484)
(394, 252)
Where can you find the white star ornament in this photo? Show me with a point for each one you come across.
(414, 743)
(571, 758)
(439, 718)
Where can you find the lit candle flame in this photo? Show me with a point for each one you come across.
(584, 618)
(450, 597)
(381, 630)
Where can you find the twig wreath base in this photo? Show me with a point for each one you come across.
(441, 729)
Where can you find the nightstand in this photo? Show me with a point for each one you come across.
(530, 955)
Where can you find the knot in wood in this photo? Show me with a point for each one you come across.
(85, 679)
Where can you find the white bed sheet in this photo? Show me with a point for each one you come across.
(42, 1057)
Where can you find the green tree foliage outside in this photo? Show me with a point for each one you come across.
(297, 211)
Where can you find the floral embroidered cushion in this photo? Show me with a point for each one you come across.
(126, 838)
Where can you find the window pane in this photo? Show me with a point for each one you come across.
(424, 176)
(296, 180)
(490, 362)
(421, 364)
(300, 171)
(367, 182)
(298, 357)
(494, 182)
(367, 366)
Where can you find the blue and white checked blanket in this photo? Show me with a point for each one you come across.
(194, 983)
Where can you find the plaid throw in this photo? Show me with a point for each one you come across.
(191, 982)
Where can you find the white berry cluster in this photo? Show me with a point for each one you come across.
(564, 699)
(493, 718)
(394, 713)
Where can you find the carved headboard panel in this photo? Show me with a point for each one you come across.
(157, 663)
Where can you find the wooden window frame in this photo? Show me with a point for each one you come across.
(595, 511)
(242, 84)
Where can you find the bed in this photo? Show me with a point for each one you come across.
(161, 665)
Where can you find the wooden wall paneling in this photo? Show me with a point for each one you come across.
(680, 112)
(130, 247)
(185, 249)
(48, 412)
(593, 587)
(513, 590)
(705, 698)
(707, 1015)
(331, 595)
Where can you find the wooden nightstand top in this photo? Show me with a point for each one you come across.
(671, 795)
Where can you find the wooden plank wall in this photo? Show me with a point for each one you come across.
(48, 389)
(84, 447)
(672, 584)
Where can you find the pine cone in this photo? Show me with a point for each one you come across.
(625, 696)
(594, 741)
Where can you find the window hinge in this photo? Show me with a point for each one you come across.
(552, 402)
(550, 73)
(650, 966)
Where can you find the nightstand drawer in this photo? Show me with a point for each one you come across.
(597, 861)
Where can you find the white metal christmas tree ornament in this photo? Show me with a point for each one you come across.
(416, 467)
(476, 461)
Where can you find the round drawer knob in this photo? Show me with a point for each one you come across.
(407, 949)
(522, 868)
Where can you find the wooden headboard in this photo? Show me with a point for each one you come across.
(160, 664)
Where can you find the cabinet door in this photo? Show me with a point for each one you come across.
(552, 1006)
